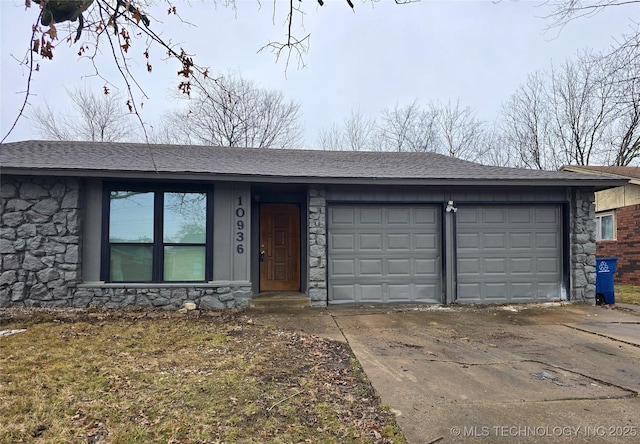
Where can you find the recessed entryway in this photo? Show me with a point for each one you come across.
(279, 247)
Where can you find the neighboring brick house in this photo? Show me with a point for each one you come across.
(618, 220)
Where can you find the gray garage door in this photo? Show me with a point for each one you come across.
(509, 253)
(384, 254)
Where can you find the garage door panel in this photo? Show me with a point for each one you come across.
(399, 292)
(493, 215)
(371, 267)
(369, 293)
(469, 292)
(426, 216)
(521, 240)
(343, 267)
(468, 241)
(345, 242)
(547, 240)
(396, 253)
(399, 267)
(423, 242)
(468, 216)
(495, 240)
(370, 242)
(426, 267)
(523, 290)
(398, 216)
(547, 216)
(512, 253)
(468, 266)
(522, 265)
(519, 215)
(546, 265)
(495, 266)
(343, 293)
(427, 293)
(342, 216)
(399, 241)
(370, 216)
(496, 290)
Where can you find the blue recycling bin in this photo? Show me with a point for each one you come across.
(605, 268)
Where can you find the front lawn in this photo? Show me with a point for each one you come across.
(210, 377)
(627, 294)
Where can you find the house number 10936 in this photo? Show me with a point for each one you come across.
(240, 226)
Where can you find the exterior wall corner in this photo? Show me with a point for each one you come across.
(582, 246)
(317, 246)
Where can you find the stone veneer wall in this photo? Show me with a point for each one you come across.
(317, 246)
(40, 259)
(170, 297)
(583, 246)
(39, 241)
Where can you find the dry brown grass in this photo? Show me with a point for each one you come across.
(627, 294)
(123, 377)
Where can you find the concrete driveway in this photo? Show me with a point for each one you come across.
(494, 374)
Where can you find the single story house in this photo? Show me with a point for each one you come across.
(618, 220)
(114, 224)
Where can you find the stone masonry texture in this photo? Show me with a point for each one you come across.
(626, 247)
(317, 247)
(40, 256)
(583, 246)
(39, 241)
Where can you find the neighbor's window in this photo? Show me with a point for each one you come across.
(157, 236)
(605, 226)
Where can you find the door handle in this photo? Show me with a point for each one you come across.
(262, 253)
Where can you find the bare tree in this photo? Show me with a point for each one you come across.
(586, 111)
(564, 11)
(123, 30)
(492, 149)
(525, 125)
(357, 133)
(624, 139)
(448, 129)
(583, 105)
(234, 111)
(409, 128)
(460, 131)
(95, 118)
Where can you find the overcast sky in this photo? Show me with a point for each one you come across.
(477, 52)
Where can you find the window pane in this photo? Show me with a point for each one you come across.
(185, 218)
(184, 263)
(606, 227)
(131, 263)
(131, 217)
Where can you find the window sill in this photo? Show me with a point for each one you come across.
(210, 284)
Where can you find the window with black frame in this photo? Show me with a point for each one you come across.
(157, 235)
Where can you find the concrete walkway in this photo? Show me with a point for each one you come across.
(493, 374)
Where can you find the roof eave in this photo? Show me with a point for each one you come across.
(597, 184)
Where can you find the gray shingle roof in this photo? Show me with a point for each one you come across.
(206, 162)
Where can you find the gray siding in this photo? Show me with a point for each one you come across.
(231, 257)
(443, 194)
(92, 230)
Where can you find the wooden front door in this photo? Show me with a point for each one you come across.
(279, 247)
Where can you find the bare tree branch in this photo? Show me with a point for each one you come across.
(96, 118)
(233, 111)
